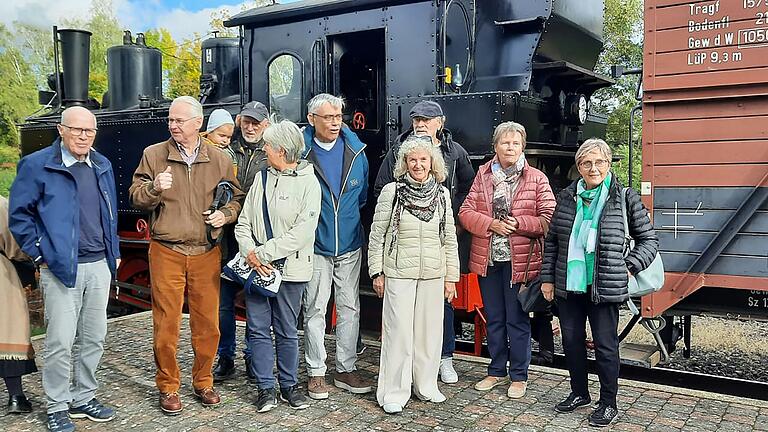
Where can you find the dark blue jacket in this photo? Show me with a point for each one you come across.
(44, 217)
(339, 229)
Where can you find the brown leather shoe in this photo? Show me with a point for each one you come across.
(317, 388)
(207, 396)
(170, 403)
(352, 382)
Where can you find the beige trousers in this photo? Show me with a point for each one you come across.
(412, 339)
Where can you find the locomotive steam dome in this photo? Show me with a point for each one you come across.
(135, 73)
(220, 67)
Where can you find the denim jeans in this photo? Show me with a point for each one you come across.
(281, 315)
(509, 329)
(227, 327)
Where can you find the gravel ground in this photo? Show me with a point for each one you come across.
(732, 348)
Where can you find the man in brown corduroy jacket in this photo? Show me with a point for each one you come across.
(176, 181)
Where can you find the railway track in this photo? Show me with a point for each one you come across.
(671, 377)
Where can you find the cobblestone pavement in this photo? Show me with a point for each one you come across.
(127, 377)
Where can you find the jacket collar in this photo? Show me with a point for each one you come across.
(55, 161)
(350, 139)
(614, 189)
(174, 155)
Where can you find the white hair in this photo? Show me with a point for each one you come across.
(594, 144)
(414, 143)
(318, 101)
(197, 108)
(287, 136)
(65, 115)
(509, 127)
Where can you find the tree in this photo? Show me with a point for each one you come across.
(623, 46)
(181, 62)
(18, 94)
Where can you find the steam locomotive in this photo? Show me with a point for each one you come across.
(485, 62)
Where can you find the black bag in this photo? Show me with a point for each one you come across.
(221, 197)
(530, 297)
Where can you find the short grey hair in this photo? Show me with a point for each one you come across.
(414, 143)
(509, 127)
(594, 144)
(287, 136)
(197, 108)
(74, 109)
(316, 102)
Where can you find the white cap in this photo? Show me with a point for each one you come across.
(219, 117)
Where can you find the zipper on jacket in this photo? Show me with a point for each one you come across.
(595, 297)
(109, 205)
(338, 203)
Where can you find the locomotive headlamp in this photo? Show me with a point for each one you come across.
(576, 108)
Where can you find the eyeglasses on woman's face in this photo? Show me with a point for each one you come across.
(600, 164)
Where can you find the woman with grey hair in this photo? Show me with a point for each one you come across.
(507, 211)
(291, 193)
(585, 268)
(413, 261)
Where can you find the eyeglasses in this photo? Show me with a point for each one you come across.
(600, 164)
(77, 131)
(173, 121)
(329, 117)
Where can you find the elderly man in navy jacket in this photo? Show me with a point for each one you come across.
(63, 215)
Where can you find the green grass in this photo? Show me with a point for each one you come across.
(6, 178)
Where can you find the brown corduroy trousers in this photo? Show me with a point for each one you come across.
(172, 273)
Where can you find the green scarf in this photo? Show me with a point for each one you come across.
(583, 240)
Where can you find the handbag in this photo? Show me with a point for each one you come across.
(239, 271)
(529, 295)
(646, 281)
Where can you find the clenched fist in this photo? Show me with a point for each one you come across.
(164, 180)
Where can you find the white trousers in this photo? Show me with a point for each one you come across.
(412, 339)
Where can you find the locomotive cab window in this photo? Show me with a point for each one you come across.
(457, 41)
(285, 87)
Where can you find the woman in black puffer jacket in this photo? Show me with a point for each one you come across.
(585, 268)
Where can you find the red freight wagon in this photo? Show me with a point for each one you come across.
(705, 154)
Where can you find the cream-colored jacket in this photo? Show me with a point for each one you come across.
(418, 253)
(293, 200)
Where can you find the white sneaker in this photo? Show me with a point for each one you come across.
(448, 374)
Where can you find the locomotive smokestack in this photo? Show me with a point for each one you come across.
(75, 53)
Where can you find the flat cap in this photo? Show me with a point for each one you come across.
(255, 110)
(426, 108)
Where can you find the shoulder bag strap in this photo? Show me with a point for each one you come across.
(627, 237)
(528, 262)
(264, 207)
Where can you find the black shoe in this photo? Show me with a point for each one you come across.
(224, 370)
(543, 358)
(19, 404)
(248, 371)
(571, 403)
(603, 416)
(294, 397)
(266, 400)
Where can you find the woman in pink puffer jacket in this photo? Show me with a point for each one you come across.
(507, 210)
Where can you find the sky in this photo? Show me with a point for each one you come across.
(182, 17)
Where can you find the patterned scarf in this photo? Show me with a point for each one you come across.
(505, 182)
(583, 240)
(419, 199)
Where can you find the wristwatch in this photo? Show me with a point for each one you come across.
(374, 276)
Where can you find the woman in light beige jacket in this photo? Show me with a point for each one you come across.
(17, 357)
(413, 261)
